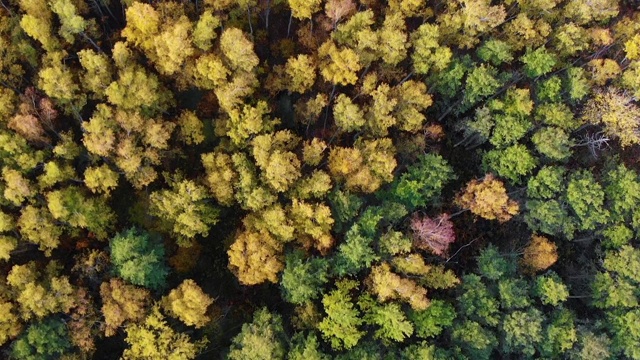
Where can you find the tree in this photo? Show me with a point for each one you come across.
(101, 179)
(255, 258)
(435, 235)
(188, 303)
(433, 320)
(155, 338)
(17, 189)
(347, 115)
(422, 182)
(547, 183)
(185, 208)
(464, 24)
(550, 289)
(280, 167)
(10, 324)
(619, 115)
(301, 73)
(488, 199)
(366, 166)
(305, 348)
(539, 254)
(355, 253)
(476, 302)
(476, 341)
(312, 223)
(513, 162)
(303, 278)
(624, 326)
(495, 51)
(482, 81)
(38, 226)
(340, 326)
(387, 285)
(494, 266)
(139, 259)
(586, 198)
(204, 30)
(47, 339)
(136, 88)
(538, 62)
(427, 52)
(261, 339)
(524, 32)
(412, 99)
(43, 293)
(523, 331)
(559, 335)
(238, 50)
(553, 143)
(338, 66)
(122, 303)
(390, 320)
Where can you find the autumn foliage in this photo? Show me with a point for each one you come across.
(435, 235)
(488, 199)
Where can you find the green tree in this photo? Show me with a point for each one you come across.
(538, 62)
(139, 259)
(261, 339)
(305, 348)
(47, 339)
(340, 326)
(586, 198)
(433, 320)
(522, 331)
(303, 277)
(550, 289)
(422, 182)
(513, 163)
(389, 319)
(559, 335)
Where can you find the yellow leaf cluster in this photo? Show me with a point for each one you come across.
(388, 286)
(255, 258)
(539, 254)
(488, 199)
(121, 303)
(188, 303)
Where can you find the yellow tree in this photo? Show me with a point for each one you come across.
(101, 179)
(155, 339)
(347, 115)
(313, 223)
(220, 176)
(617, 112)
(387, 285)
(255, 258)
(539, 254)
(488, 199)
(38, 227)
(188, 303)
(279, 166)
(122, 303)
(301, 73)
(338, 66)
(40, 294)
(301, 9)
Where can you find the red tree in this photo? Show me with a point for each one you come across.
(434, 235)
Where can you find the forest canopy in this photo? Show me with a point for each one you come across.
(309, 179)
